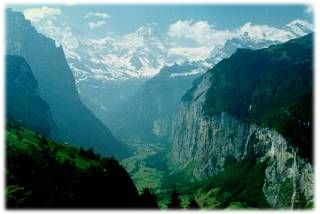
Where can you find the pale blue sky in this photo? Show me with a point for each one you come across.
(126, 18)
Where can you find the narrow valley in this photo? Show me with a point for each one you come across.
(208, 108)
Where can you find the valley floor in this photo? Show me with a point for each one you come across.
(144, 173)
(137, 166)
(148, 168)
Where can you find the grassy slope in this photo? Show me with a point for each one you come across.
(21, 138)
(42, 173)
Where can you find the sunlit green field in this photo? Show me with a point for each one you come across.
(136, 165)
(29, 138)
(145, 174)
(149, 169)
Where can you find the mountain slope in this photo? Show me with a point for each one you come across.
(147, 115)
(139, 54)
(257, 105)
(250, 37)
(143, 52)
(271, 88)
(23, 102)
(41, 173)
(103, 98)
(75, 123)
(112, 65)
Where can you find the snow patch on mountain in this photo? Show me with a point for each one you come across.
(142, 53)
(192, 72)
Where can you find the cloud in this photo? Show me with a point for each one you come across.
(309, 9)
(37, 14)
(97, 15)
(263, 32)
(63, 35)
(200, 32)
(196, 39)
(97, 24)
(191, 54)
(71, 3)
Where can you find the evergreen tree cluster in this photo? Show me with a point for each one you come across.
(37, 178)
(176, 203)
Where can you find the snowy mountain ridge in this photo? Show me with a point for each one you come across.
(142, 53)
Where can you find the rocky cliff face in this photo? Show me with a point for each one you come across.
(205, 141)
(23, 103)
(75, 123)
(288, 178)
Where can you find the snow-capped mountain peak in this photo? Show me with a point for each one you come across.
(142, 53)
(259, 36)
(136, 55)
(299, 27)
(147, 31)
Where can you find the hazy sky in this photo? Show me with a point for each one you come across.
(123, 19)
(189, 30)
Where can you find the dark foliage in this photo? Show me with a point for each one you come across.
(175, 202)
(148, 199)
(240, 182)
(193, 204)
(36, 178)
(89, 153)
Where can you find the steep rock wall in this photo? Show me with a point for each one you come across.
(206, 142)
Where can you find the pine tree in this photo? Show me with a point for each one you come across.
(175, 202)
(193, 204)
(44, 140)
(148, 199)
